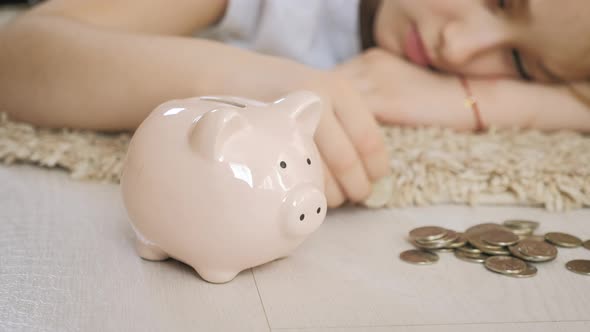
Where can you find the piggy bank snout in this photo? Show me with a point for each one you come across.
(304, 210)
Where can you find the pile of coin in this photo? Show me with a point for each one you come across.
(509, 248)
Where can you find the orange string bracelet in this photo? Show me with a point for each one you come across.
(471, 103)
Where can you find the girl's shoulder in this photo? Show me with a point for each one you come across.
(318, 33)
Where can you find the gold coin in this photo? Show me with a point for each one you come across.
(532, 237)
(475, 240)
(499, 238)
(450, 237)
(482, 228)
(428, 233)
(587, 244)
(497, 252)
(522, 231)
(419, 257)
(563, 240)
(473, 235)
(505, 264)
(468, 248)
(428, 245)
(516, 253)
(581, 266)
(530, 271)
(534, 251)
(443, 242)
(459, 242)
(439, 250)
(521, 224)
(472, 258)
(424, 246)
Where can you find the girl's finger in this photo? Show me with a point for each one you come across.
(363, 131)
(341, 158)
(333, 192)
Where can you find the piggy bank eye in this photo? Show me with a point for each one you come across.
(308, 161)
(283, 164)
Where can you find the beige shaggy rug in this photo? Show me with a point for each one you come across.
(429, 165)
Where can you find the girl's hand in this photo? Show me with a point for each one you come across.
(399, 92)
(348, 136)
(349, 141)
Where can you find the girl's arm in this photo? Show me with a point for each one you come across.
(507, 103)
(180, 17)
(105, 64)
(399, 92)
(59, 70)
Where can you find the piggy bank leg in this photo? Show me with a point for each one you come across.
(216, 276)
(149, 251)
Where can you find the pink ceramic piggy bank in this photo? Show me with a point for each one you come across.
(224, 183)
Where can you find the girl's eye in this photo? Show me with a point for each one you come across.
(308, 161)
(283, 164)
(519, 66)
(516, 57)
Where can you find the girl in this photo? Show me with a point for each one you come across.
(466, 64)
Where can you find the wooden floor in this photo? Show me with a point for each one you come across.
(67, 263)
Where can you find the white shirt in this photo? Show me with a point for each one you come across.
(319, 33)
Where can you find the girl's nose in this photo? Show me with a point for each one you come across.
(462, 41)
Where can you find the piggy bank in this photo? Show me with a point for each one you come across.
(224, 184)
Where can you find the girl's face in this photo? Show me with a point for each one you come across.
(542, 40)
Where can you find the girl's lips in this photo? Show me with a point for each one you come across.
(414, 48)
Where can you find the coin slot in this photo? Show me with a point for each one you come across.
(224, 101)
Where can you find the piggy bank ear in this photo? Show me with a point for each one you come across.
(213, 130)
(305, 108)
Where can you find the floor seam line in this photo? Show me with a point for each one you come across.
(260, 298)
(443, 324)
